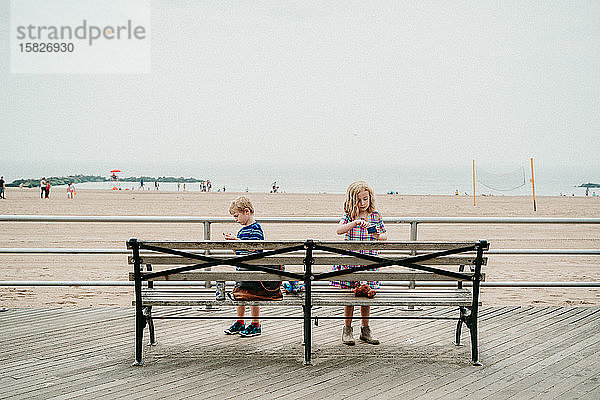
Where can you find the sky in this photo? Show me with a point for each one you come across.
(324, 82)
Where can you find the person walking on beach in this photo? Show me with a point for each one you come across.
(141, 183)
(70, 191)
(43, 187)
(2, 188)
(242, 211)
(361, 221)
(47, 188)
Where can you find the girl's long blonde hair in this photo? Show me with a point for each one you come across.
(351, 203)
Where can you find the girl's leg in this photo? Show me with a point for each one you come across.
(348, 313)
(347, 337)
(365, 312)
(255, 311)
(365, 330)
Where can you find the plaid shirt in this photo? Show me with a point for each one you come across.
(360, 233)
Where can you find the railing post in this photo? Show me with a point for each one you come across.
(139, 313)
(413, 230)
(413, 236)
(206, 230)
(207, 284)
(308, 278)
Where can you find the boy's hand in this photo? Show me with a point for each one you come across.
(229, 236)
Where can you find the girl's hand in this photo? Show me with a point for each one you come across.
(229, 236)
(381, 236)
(361, 222)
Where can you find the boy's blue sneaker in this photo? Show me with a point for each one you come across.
(235, 328)
(251, 330)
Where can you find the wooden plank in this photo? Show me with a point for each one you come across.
(531, 347)
(299, 260)
(273, 245)
(519, 353)
(237, 276)
(458, 297)
(540, 378)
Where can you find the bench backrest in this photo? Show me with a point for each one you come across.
(189, 260)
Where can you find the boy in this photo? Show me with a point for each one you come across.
(242, 211)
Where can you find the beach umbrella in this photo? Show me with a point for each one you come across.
(114, 176)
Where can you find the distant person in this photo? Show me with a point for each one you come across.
(70, 191)
(141, 184)
(361, 221)
(587, 191)
(208, 186)
(2, 188)
(47, 188)
(178, 186)
(183, 187)
(43, 187)
(156, 184)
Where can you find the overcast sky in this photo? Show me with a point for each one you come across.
(329, 82)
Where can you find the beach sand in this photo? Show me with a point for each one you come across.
(114, 235)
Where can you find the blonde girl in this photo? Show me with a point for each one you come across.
(359, 215)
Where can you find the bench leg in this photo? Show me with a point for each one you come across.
(474, 350)
(469, 317)
(308, 277)
(150, 322)
(140, 322)
(461, 320)
(307, 336)
(458, 332)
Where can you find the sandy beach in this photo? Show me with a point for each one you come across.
(114, 235)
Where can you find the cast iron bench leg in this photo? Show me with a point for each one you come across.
(474, 350)
(150, 322)
(458, 332)
(148, 313)
(140, 322)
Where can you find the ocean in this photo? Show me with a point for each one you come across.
(330, 178)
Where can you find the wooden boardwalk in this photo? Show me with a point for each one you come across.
(541, 352)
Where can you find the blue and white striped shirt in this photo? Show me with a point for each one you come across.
(251, 232)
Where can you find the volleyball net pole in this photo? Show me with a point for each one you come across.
(532, 185)
(473, 183)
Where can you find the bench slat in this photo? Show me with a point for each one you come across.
(456, 297)
(272, 245)
(264, 276)
(298, 260)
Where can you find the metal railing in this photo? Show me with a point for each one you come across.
(207, 222)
